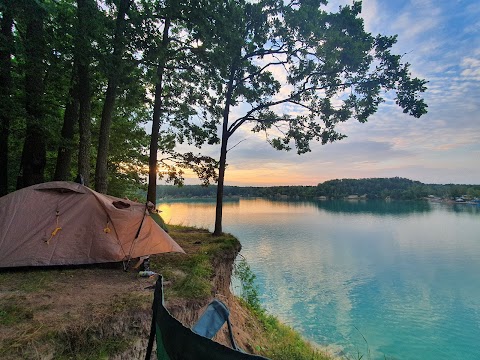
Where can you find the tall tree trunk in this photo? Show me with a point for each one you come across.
(70, 118)
(34, 150)
(221, 177)
(114, 73)
(82, 54)
(223, 154)
(157, 111)
(6, 50)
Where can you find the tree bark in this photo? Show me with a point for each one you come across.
(157, 111)
(82, 54)
(223, 155)
(34, 155)
(70, 118)
(6, 50)
(221, 178)
(115, 71)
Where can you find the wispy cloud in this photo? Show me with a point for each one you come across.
(471, 68)
(441, 40)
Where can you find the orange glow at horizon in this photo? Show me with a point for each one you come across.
(263, 177)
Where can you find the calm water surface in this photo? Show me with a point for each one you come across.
(399, 279)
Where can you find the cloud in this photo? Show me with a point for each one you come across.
(440, 40)
(415, 22)
(471, 68)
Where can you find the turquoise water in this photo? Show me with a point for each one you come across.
(394, 279)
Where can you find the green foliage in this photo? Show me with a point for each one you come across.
(191, 273)
(373, 188)
(395, 188)
(321, 54)
(184, 90)
(286, 344)
(218, 55)
(249, 290)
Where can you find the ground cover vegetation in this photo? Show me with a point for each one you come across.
(80, 79)
(41, 314)
(375, 188)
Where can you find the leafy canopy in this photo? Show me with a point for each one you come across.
(295, 71)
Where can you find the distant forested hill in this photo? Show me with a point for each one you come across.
(187, 191)
(374, 188)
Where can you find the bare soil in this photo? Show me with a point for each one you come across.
(75, 304)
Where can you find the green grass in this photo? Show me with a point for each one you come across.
(71, 336)
(191, 273)
(283, 343)
(30, 281)
(86, 344)
(125, 302)
(190, 276)
(12, 312)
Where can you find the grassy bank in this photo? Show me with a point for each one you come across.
(272, 338)
(99, 312)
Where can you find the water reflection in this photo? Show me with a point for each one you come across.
(376, 207)
(403, 273)
(473, 209)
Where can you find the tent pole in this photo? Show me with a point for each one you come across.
(127, 265)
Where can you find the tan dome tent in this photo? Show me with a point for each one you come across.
(65, 223)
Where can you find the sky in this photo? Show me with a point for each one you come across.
(441, 41)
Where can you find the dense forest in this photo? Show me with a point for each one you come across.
(375, 188)
(80, 80)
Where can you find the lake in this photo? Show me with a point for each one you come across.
(394, 279)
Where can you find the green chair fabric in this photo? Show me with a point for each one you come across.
(177, 342)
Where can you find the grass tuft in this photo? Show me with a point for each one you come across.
(12, 312)
(191, 273)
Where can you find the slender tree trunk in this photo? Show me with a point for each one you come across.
(223, 155)
(221, 177)
(157, 111)
(70, 118)
(82, 54)
(34, 149)
(115, 70)
(6, 50)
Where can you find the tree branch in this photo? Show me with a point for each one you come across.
(237, 123)
(236, 145)
(263, 52)
(262, 69)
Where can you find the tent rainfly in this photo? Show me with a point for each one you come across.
(65, 223)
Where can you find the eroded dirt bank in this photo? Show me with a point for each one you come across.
(89, 313)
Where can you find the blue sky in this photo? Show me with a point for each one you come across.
(441, 40)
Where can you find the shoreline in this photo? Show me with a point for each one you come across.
(87, 312)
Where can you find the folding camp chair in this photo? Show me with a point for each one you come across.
(176, 342)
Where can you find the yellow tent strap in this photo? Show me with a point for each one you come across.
(57, 229)
(106, 230)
